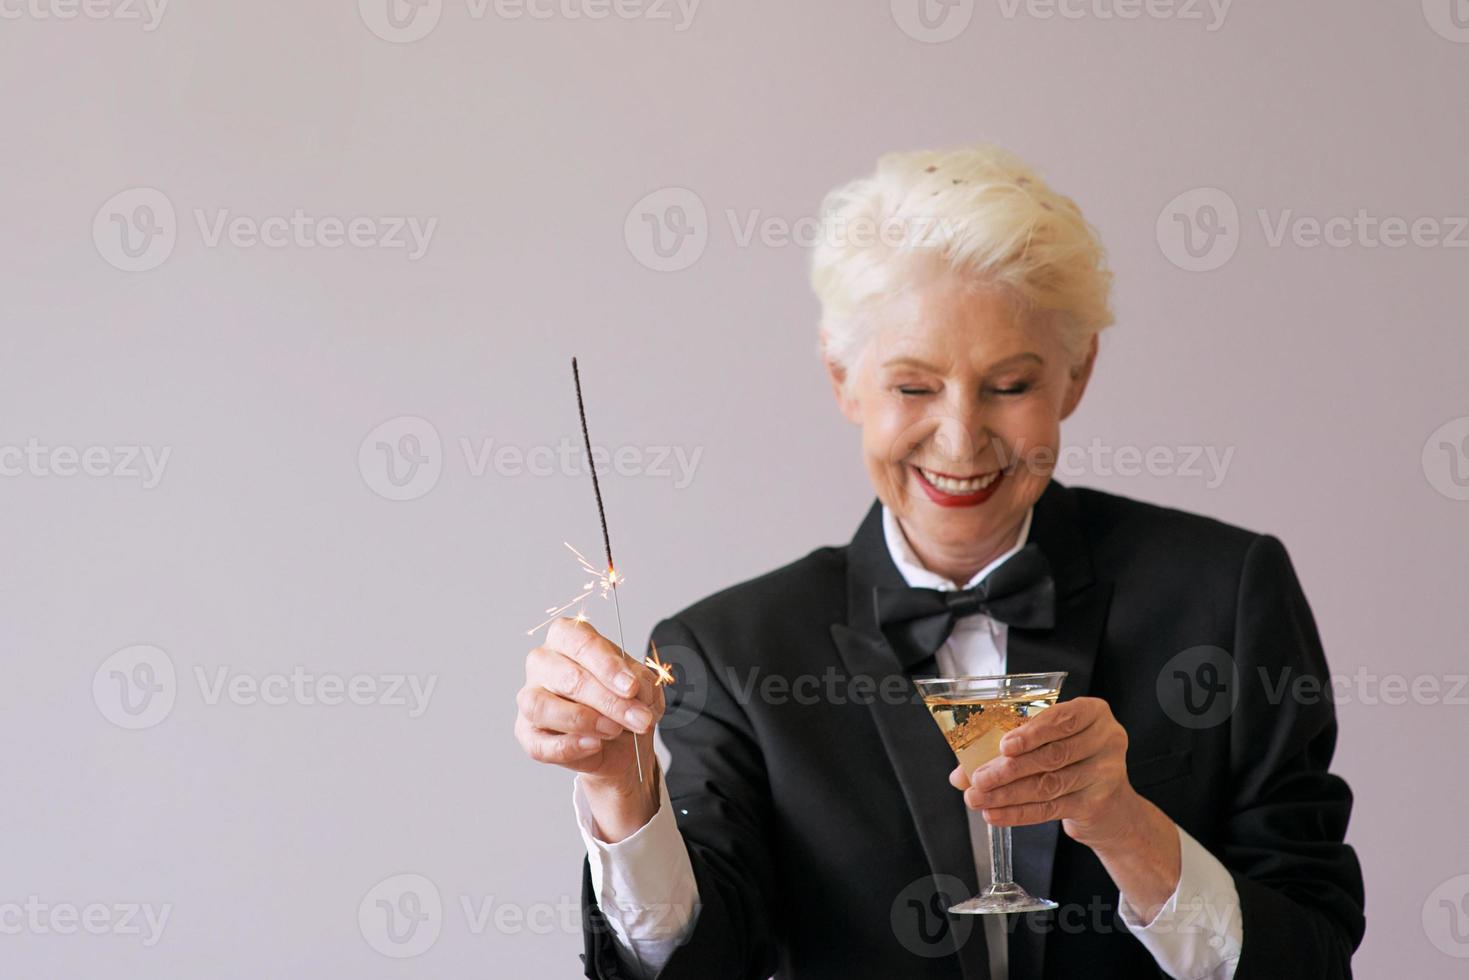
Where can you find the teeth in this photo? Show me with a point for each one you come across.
(950, 485)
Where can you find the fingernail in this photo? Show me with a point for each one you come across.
(608, 727)
(588, 743)
(640, 718)
(625, 682)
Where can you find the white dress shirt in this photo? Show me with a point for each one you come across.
(645, 883)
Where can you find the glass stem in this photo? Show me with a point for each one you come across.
(1000, 873)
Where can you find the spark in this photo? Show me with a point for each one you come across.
(602, 581)
(662, 675)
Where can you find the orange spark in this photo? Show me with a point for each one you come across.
(658, 667)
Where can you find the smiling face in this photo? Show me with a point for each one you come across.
(960, 399)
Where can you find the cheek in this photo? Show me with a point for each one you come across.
(890, 432)
(1032, 434)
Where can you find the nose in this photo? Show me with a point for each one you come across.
(961, 435)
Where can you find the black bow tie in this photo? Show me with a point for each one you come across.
(1021, 592)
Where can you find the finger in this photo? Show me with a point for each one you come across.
(1031, 813)
(556, 714)
(1045, 758)
(560, 675)
(1040, 788)
(576, 639)
(1066, 718)
(958, 778)
(554, 747)
(656, 700)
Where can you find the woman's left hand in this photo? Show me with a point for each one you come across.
(1068, 763)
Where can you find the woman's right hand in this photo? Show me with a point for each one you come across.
(582, 705)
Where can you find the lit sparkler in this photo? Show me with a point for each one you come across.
(604, 581)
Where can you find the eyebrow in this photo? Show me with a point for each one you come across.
(925, 366)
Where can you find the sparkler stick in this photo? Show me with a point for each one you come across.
(612, 577)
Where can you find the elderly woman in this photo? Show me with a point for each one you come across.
(1176, 802)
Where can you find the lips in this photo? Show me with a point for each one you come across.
(954, 490)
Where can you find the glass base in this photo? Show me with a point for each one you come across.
(1003, 899)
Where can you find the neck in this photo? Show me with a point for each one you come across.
(961, 561)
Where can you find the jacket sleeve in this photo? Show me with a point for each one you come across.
(1300, 886)
(717, 783)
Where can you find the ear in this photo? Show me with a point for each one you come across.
(1080, 375)
(837, 375)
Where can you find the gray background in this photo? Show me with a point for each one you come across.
(266, 545)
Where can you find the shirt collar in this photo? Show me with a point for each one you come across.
(919, 577)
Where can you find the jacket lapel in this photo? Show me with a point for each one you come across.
(917, 751)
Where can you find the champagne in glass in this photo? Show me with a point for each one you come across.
(974, 713)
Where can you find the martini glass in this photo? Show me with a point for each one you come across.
(974, 713)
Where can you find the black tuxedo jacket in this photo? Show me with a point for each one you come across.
(811, 785)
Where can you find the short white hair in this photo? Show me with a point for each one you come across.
(985, 214)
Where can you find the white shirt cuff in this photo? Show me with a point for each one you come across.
(1198, 934)
(644, 884)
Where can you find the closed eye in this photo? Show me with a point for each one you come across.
(1015, 389)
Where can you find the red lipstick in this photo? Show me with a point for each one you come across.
(945, 499)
